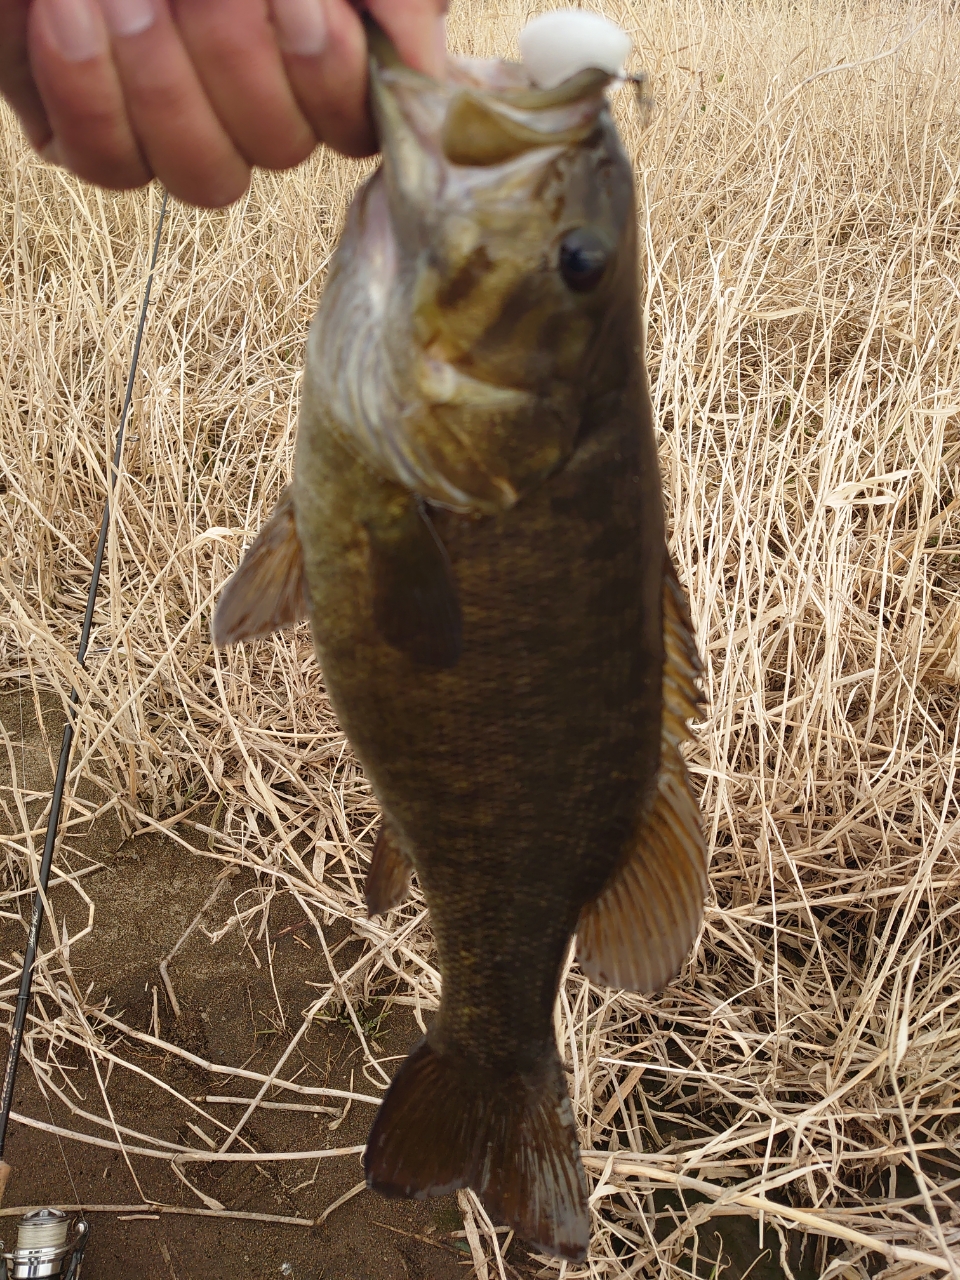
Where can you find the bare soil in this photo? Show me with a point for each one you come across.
(236, 996)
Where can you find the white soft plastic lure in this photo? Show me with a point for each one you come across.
(556, 45)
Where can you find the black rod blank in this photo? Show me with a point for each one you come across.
(53, 821)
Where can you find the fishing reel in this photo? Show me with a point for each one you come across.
(48, 1244)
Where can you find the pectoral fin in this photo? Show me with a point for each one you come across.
(388, 880)
(415, 602)
(268, 591)
(637, 933)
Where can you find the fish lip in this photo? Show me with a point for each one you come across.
(480, 74)
(561, 115)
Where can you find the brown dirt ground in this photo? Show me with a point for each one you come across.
(146, 890)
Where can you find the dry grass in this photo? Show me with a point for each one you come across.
(803, 257)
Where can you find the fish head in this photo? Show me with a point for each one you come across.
(502, 224)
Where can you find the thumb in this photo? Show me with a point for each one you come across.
(417, 30)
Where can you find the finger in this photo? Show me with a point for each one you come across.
(177, 128)
(233, 47)
(16, 79)
(70, 56)
(325, 55)
(417, 30)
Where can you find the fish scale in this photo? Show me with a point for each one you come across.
(476, 530)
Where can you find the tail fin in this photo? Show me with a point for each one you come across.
(512, 1139)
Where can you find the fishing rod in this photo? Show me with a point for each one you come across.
(45, 1246)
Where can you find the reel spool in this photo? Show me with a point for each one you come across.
(43, 1247)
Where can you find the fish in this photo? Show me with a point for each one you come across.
(475, 528)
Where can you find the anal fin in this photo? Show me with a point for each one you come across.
(512, 1138)
(637, 932)
(388, 880)
(268, 591)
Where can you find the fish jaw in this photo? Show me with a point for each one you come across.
(452, 356)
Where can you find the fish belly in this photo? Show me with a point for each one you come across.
(516, 775)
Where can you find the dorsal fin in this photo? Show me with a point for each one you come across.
(269, 590)
(637, 932)
(388, 880)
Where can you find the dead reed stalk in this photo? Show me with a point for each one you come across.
(802, 228)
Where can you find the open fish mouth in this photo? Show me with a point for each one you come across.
(486, 112)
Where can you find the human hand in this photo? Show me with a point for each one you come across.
(196, 92)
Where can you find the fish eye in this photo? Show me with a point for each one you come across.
(583, 260)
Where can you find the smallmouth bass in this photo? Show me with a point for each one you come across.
(475, 529)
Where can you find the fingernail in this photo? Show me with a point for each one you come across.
(301, 26)
(128, 17)
(74, 28)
